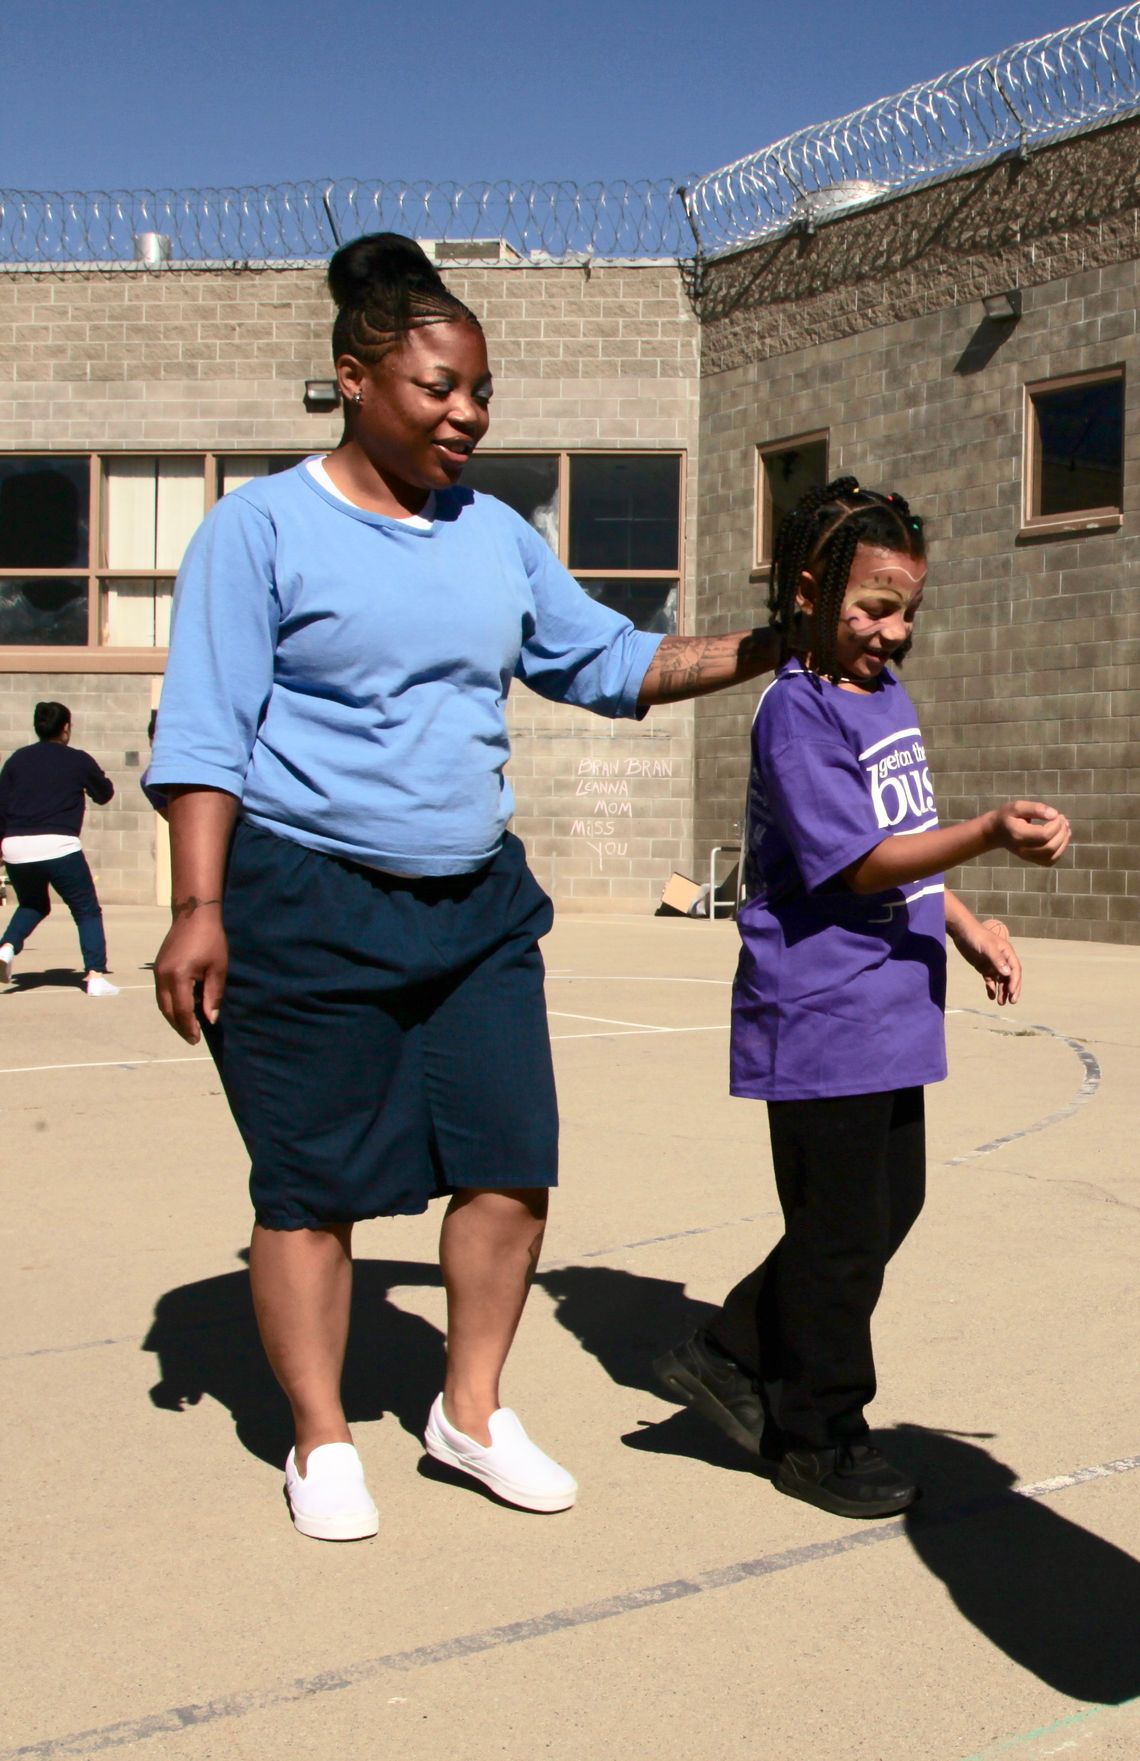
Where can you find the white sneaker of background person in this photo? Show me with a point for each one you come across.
(97, 985)
(7, 955)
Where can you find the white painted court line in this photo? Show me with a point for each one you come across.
(633, 1032)
(102, 1064)
(142, 1063)
(548, 1627)
(635, 978)
(566, 1015)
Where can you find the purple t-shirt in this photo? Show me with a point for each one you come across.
(836, 993)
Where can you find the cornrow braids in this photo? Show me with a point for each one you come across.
(384, 285)
(820, 536)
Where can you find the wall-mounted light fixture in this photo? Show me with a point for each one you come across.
(321, 395)
(1003, 308)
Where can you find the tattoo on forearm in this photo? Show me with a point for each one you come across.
(686, 666)
(186, 907)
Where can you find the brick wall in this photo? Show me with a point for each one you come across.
(605, 808)
(1026, 667)
(144, 361)
(136, 360)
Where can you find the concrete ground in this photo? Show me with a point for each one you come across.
(161, 1603)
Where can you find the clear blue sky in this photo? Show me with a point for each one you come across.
(103, 94)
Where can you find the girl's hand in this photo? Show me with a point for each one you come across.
(989, 950)
(194, 953)
(1032, 831)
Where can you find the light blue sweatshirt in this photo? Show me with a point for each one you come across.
(346, 675)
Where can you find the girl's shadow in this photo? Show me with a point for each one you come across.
(1057, 1599)
(625, 1321)
(206, 1341)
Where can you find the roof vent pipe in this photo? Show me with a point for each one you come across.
(152, 249)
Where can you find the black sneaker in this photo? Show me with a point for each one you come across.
(851, 1480)
(700, 1375)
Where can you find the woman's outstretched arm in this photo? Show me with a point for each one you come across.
(692, 666)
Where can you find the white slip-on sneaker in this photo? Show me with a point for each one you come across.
(331, 1502)
(99, 985)
(511, 1465)
(7, 955)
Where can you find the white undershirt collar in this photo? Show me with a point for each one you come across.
(421, 521)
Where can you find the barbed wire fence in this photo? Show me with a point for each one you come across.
(1036, 93)
(1072, 81)
(550, 222)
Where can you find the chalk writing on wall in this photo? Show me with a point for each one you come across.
(606, 788)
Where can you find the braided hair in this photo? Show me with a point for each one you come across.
(384, 285)
(821, 535)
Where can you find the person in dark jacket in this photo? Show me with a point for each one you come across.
(42, 801)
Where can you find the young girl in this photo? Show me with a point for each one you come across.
(837, 1018)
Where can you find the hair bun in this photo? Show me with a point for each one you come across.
(378, 260)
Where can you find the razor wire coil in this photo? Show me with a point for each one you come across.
(1076, 79)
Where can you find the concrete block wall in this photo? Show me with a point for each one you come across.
(605, 808)
(182, 359)
(1026, 667)
(602, 358)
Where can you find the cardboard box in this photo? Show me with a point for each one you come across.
(681, 894)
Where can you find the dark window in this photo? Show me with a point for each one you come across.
(56, 585)
(624, 511)
(51, 613)
(527, 483)
(1079, 448)
(44, 513)
(649, 605)
(787, 473)
(624, 521)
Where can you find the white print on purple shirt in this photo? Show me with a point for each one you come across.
(899, 780)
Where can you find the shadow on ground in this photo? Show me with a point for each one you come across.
(205, 1338)
(625, 1320)
(65, 978)
(1056, 1599)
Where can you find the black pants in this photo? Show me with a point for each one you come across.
(851, 1177)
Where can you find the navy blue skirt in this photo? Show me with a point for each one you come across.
(383, 1041)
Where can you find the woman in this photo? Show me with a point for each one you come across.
(44, 790)
(331, 746)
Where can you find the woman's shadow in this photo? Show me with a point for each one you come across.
(206, 1341)
(1057, 1599)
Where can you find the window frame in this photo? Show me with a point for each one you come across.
(1033, 523)
(762, 533)
(98, 656)
(564, 455)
